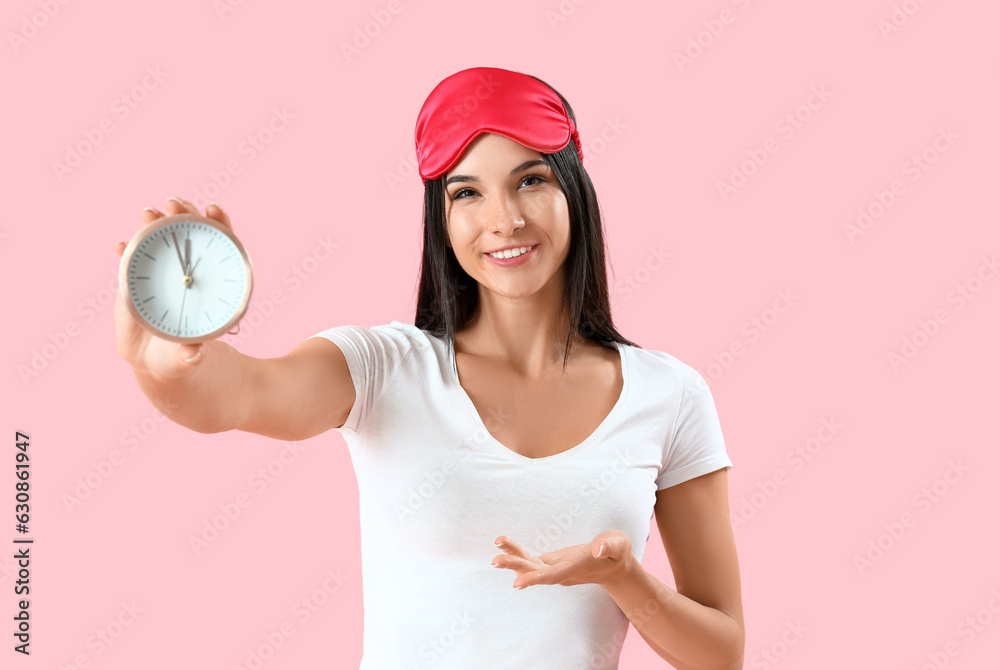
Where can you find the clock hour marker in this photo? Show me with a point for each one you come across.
(209, 317)
(165, 240)
(148, 299)
(227, 304)
(226, 258)
(147, 255)
(209, 243)
(164, 314)
(142, 277)
(232, 280)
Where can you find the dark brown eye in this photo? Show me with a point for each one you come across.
(458, 194)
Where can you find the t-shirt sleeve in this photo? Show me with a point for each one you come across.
(374, 356)
(696, 445)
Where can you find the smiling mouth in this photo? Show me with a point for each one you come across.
(511, 253)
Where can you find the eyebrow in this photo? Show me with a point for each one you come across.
(523, 166)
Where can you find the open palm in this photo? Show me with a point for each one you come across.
(577, 564)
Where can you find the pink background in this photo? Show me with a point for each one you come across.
(337, 171)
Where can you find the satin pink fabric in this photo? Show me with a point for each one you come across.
(489, 100)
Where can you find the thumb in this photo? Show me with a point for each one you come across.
(610, 544)
(189, 353)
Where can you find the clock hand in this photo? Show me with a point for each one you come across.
(191, 271)
(187, 253)
(178, 247)
(181, 315)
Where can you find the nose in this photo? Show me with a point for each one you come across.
(503, 215)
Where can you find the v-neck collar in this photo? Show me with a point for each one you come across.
(562, 455)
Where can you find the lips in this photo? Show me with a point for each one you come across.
(513, 260)
(527, 249)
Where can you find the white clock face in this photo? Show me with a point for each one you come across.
(188, 279)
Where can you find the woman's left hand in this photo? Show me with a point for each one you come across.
(578, 564)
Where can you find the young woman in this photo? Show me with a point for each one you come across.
(511, 429)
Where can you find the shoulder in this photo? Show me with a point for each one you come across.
(402, 332)
(407, 332)
(395, 340)
(660, 367)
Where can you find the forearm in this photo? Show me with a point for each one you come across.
(687, 634)
(206, 400)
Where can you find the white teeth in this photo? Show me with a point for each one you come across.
(510, 253)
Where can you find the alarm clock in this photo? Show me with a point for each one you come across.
(186, 278)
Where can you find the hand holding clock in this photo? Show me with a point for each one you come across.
(140, 346)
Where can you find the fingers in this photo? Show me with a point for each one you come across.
(514, 563)
(150, 214)
(544, 575)
(517, 559)
(214, 211)
(509, 546)
(190, 354)
(610, 544)
(177, 205)
(529, 572)
(165, 359)
(147, 215)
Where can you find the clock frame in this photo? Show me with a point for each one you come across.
(150, 229)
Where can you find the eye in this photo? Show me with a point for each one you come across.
(458, 194)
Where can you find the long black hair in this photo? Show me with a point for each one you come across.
(447, 295)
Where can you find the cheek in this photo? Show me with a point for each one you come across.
(553, 206)
(560, 206)
(460, 232)
(558, 215)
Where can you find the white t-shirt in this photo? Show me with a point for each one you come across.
(436, 489)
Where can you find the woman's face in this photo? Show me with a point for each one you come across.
(502, 194)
